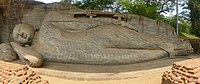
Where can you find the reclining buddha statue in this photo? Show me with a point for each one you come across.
(87, 41)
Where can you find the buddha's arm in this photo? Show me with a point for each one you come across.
(30, 57)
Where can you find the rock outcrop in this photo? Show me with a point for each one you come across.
(79, 37)
(32, 12)
(7, 53)
(11, 13)
(76, 34)
(139, 23)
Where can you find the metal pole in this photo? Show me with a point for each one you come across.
(177, 16)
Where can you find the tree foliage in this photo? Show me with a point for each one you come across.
(153, 9)
(194, 6)
(95, 4)
(140, 8)
(163, 6)
(67, 1)
(149, 8)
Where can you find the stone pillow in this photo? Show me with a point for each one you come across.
(7, 53)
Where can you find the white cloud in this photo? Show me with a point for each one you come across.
(48, 1)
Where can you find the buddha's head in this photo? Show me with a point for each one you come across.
(23, 33)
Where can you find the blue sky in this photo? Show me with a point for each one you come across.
(48, 1)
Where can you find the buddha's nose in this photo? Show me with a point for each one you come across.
(24, 35)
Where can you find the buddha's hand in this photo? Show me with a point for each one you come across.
(28, 56)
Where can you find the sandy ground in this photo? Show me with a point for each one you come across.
(141, 73)
(143, 77)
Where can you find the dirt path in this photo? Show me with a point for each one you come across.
(140, 73)
(142, 77)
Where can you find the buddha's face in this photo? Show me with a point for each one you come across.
(23, 33)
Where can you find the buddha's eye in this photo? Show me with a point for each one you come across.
(24, 35)
(19, 29)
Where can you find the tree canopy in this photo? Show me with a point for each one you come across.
(189, 18)
(194, 7)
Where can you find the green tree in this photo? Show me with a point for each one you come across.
(194, 6)
(140, 8)
(96, 4)
(148, 8)
(163, 6)
(169, 19)
(184, 25)
(67, 1)
(185, 12)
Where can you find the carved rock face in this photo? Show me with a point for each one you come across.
(27, 55)
(23, 33)
(7, 53)
(63, 38)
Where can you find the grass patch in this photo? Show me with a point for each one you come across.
(190, 36)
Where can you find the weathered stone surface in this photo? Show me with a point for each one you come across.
(19, 74)
(184, 72)
(11, 15)
(136, 22)
(30, 57)
(96, 42)
(196, 45)
(7, 19)
(36, 16)
(24, 38)
(63, 38)
(33, 12)
(67, 34)
(7, 53)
